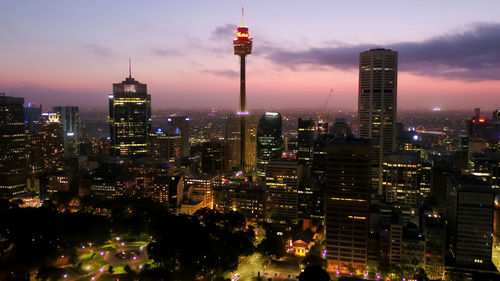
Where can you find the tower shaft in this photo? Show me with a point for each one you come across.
(243, 110)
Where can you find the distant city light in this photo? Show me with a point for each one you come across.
(415, 137)
(436, 109)
(242, 113)
(272, 113)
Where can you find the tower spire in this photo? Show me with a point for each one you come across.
(242, 16)
(129, 67)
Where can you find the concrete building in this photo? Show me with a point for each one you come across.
(70, 120)
(377, 104)
(282, 184)
(13, 147)
(130, 119)
(347, 200)
(470, 222)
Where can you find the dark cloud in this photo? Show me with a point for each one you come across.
(99, 51)
(224, 32)
(224, 72)
(471, 55)
(165, 52)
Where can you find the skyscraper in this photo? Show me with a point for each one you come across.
(282, 184)
(70, 121)
(305, 139)
(470, 221)
(129, 118)
(51, 142)
(13, 147)
(347, 197)
(269, 140)
(243, 47)
(377, 104)
(180, 126)
(401, 178)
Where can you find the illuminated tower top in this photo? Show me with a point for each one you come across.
(242, 43)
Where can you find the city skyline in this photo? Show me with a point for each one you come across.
(448, 58)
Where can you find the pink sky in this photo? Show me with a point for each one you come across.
(183, 51)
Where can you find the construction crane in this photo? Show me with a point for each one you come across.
(323, 109)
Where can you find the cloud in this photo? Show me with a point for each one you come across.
(99, 50)
(224, 32)
(470, 55)
(165, 52)
(224, 72)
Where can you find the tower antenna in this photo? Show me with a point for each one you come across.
(242, 16)
(129, 67)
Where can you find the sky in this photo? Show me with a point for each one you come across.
(64, 52)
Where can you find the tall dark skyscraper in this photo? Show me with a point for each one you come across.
(377, 104)
(243, 47)
(470, 221)
(305, 139)
(13, 147)
(269, 140)
(347, 197)
(130, 118)
(70, 120)
(180, 125)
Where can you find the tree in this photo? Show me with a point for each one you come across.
(272, 245)
(314, 273)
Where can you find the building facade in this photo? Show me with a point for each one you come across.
(269, 140)
(347, 197)
(282, 185)
(130, 119)
(13, 147)
(377, 104)
(70, 120)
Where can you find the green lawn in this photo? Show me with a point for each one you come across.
(108, 247)
(88, 256)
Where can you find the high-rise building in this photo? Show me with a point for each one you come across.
(435, 245)
(401, 177)
(240, 195)
(243, 47)
(233, 142)
(340, 128)
(269, 140)
(180, 125)
(347, 196)
(166, 146)
(32, 115)
(70, 120)
(377, 104)
(13, 147)
(130, 119)
(282, 184)
(470, 221)
(213, 157)
(305, 139)
(51, 142)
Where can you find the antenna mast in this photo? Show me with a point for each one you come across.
(129, 67)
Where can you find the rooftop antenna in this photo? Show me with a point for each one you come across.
(242, 16)
(129, 68)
